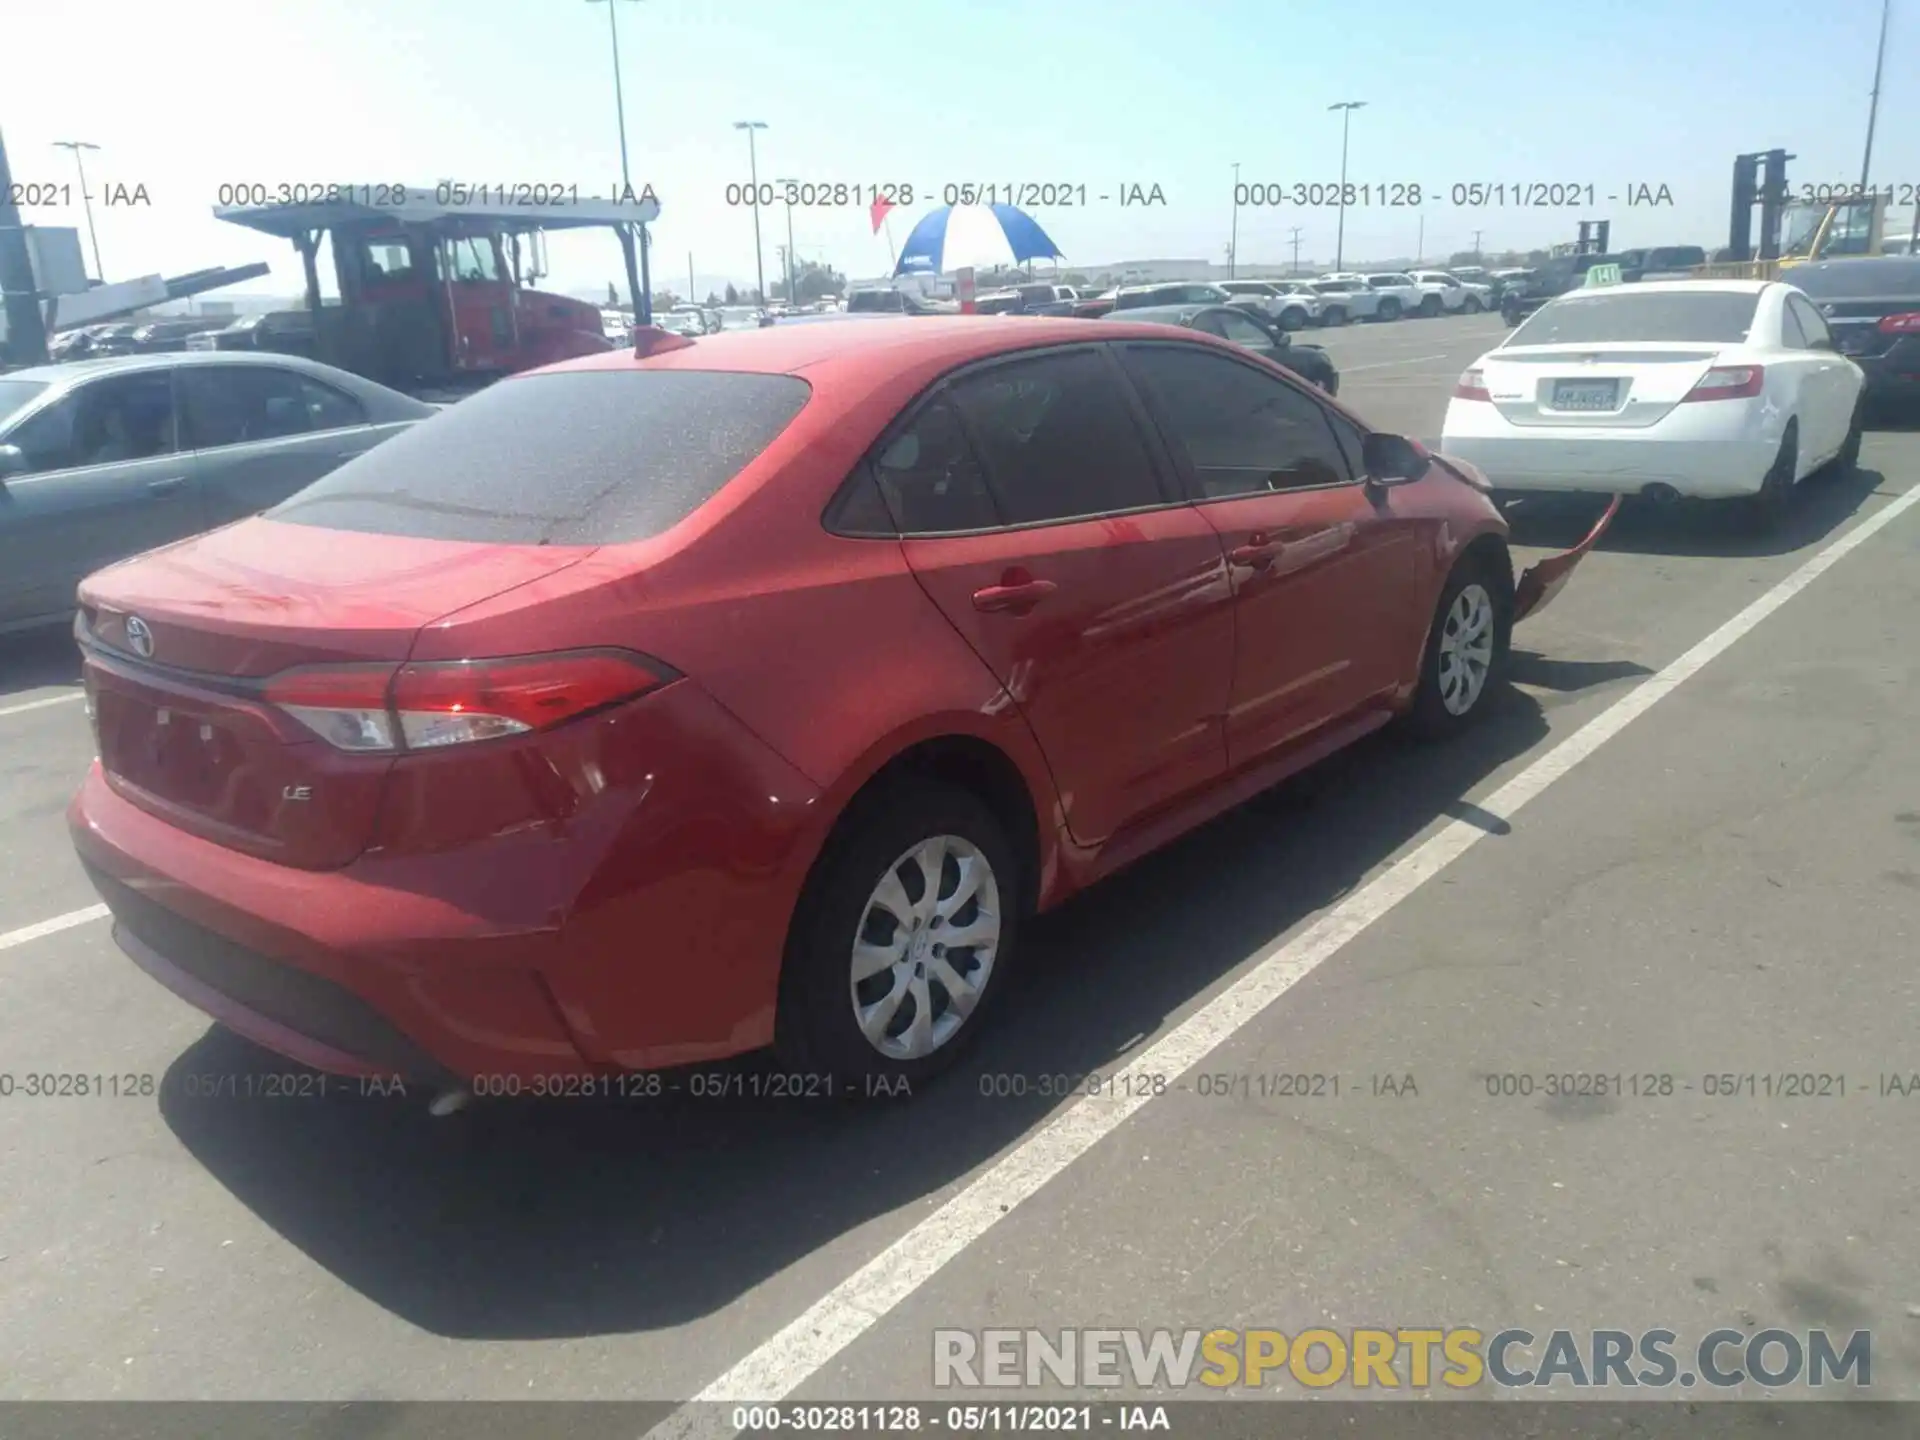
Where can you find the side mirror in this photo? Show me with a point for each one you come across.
(1393, 459)
(13, 461)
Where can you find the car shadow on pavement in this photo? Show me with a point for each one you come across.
(37, 659)
(521, 1220)
(1822, 503)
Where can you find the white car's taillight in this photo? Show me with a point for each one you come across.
(383, 709)
(1729, 382)
(1472, 386)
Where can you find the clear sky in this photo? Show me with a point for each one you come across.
(187, 95)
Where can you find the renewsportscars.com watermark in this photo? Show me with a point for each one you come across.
(1399, 1359)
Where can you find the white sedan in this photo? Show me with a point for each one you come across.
(1705, 388)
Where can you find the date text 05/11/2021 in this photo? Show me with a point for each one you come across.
(1021, 194)
(1460, 195)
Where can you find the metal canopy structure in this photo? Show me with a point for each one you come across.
(422, 207)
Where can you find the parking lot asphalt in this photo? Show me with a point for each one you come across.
(1686, 845)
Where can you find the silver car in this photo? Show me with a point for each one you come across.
(102, 459)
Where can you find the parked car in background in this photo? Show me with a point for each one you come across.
(1346, 297)
(1184, 292)
(1715, 389)
(1293, 309)
(116, 339)
(1400, 295)
(101, 459)
(1555, 277)
(513, 721)
(1251, 331)
(161, 337)
(682, 322)
(283, 332)
(1661, 262)
(72, 344)
(1441, 292)
(1871, 307)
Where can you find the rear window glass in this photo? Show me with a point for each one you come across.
(583, 457)
(1857, 279)
(14, 395)
(1720, 317)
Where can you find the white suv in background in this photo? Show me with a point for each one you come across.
(1456, 296)
(1399, 295)
(1289, 303)
(1346, 297)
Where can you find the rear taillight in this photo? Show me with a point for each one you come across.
(1905, 324)
(1729, 382)
(383, 709)
(1472, 386)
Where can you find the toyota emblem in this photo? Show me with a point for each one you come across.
(139, 637)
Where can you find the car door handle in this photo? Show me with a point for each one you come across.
(1016, 598)
(1258, 551)
(166, 486)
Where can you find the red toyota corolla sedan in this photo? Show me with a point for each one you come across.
(661, 706)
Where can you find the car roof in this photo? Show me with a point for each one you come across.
(888, 343)
(107, 364)
(1679, 287)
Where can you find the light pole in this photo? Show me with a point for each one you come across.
(792, 298)
(639, 286)
(1873, 105)
(1233, 248)
(1296, 251)
(753, 173)
(100, 274)
(1346, 109)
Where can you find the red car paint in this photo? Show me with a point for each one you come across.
(615, 891)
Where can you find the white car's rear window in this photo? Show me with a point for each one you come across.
(1718, 317)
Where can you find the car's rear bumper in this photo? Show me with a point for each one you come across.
(1580, 461)
(644, 932)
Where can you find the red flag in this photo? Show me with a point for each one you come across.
(881, 205)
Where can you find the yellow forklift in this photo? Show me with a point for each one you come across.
(1851, 225)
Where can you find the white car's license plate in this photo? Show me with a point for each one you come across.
(1585, 394)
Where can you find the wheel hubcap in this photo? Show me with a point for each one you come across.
(925, 947)
(1466, 649)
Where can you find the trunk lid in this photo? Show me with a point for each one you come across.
(1856, 324)
(180, 642)
(1612, 386)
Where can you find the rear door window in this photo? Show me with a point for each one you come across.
(1058, 438)
(930, 478)
(579, 457)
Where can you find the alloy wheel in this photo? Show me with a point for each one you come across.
(925, 947)
(1466, 649)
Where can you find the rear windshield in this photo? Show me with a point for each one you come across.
(1677, 256)
(1720, 317)
(582, 457)
(1857, 279)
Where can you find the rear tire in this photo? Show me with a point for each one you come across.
(1848, 460)
(1430, 306)
(867, 899)
(1465, 660)
(1293, 318)
(1333, 315)
(1767, 511)
(1389, 309)
(1473, 305)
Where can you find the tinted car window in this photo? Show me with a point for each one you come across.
(239, 405)
(124, 417)
(930, 478)
(1240, 330)
(1240, 430)
(1720, 317)
(1058, 438)
(14, 395)
(1812, 324)
(584, 457)
(1791, 335)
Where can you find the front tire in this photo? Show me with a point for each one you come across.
(1293, 318)
(1431, 306)
(1334, 316)
(1467, 646)
(1473, 305)
(874, 988)
(1389, 309)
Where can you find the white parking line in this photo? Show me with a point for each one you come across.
(40, 704)
(793, 1356)
(54, 926)
(1346, 370)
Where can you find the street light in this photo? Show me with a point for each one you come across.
(1873, 106)
(792, 298)
(76, 146)
(753, 173)
(1233, 246)
(1346, 107)
(641, 285)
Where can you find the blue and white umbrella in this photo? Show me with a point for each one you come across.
(981, 236)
